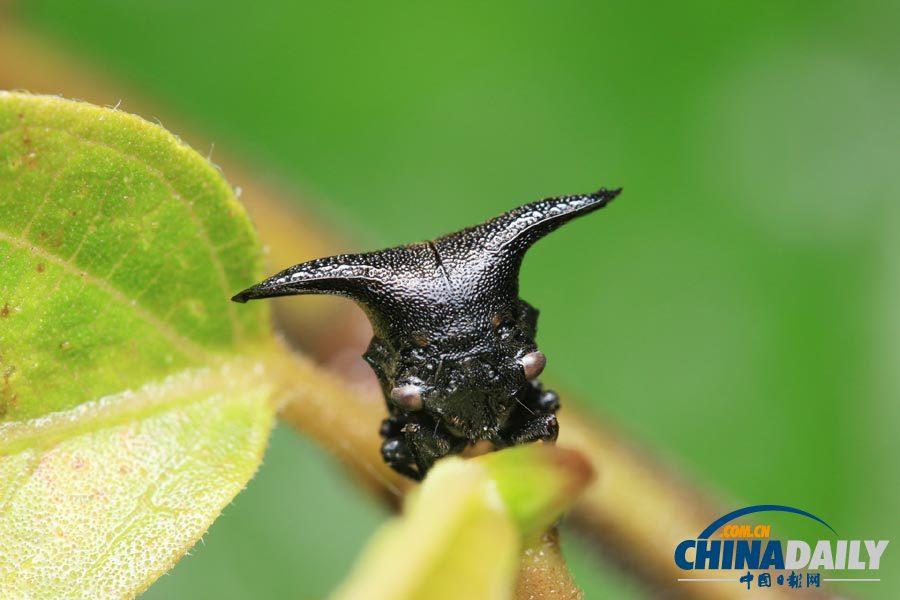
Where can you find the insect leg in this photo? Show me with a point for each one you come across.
(394, 449)
(533, 417)
(428, 442)
(398, 457)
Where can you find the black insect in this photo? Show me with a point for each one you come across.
(454, 345)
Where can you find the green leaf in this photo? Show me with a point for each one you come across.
(134, 403)
(463, 530)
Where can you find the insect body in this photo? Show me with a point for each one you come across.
(453, 345)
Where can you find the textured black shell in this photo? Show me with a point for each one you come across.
(447, 317)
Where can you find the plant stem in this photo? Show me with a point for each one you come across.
(543, 574)
(344, 422)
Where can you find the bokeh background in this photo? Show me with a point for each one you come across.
(736, 313)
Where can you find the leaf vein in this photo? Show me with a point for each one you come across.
(184, 345)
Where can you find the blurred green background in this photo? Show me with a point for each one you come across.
(736, 311)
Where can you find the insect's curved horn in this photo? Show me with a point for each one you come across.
(361, 277)
(512, 233)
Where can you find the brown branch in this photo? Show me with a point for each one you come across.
(343, 421)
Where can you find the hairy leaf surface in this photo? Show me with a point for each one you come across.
(134, 403)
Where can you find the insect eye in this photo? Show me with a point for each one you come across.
(533, 364)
